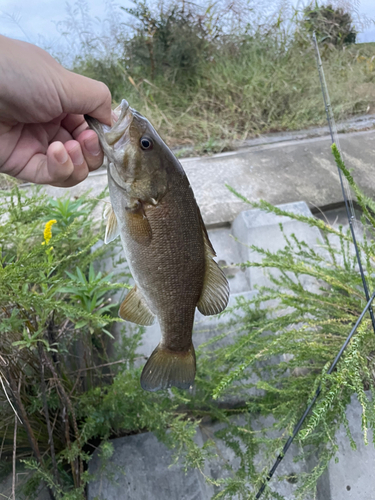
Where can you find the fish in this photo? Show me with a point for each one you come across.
(154, 212)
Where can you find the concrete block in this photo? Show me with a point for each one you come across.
(22, 476)
(262, 229)
(337, 217)
(228, 255)
(140, 469)
(353, 476)
(286, 479)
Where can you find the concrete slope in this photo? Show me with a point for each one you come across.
(282, 172)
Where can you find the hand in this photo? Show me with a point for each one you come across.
(43, 136)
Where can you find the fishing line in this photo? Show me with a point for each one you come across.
(343, 181)
(315, 397)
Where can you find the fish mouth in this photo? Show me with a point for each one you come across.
(111, 136)
(115, 140)
(117, 136)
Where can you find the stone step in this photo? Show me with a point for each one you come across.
(140, 467)
(262, 229)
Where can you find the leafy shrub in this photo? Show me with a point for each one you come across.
(56, 311)
(171, 44)
(55, 316)
(291, 349)
(332, 26)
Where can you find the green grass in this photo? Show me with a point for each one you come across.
(211, 76)
(245, 90)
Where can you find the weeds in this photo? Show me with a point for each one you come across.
(219, 74)
(59, 376)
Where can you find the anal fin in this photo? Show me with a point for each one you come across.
(135, 309)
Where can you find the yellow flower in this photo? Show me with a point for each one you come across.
(48, 231)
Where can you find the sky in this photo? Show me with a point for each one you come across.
(39, 21)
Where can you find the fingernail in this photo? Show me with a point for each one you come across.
(61, 156)
(92, 145)
(76, 156)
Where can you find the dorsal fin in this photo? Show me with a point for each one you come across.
(215, 293)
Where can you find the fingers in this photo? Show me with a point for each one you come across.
(74, 124)
(91, 149)
(55, 167)
(70, 157)
(83, 95)
(65, 165)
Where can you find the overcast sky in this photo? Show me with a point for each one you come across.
(37, 20)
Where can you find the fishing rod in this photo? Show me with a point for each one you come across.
(351, 219)
(315, 397)
(343, 181)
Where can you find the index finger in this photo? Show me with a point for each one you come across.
(82, 95)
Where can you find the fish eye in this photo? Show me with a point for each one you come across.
(146, 143)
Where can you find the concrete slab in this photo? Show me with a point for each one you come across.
(140, 469)
(286, 479)
(352, 476)
(282, 172)
(228, 255)
(337, 217)
(22, 476)
(262, 229)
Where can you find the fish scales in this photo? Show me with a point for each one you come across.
(171, 280)
(165, 243)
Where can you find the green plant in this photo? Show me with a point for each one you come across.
(203, 76)
(69, 392)
(332, 26)
(43, 325)
(314, 298)
(91, 292)
(171, 43)
(58, 368)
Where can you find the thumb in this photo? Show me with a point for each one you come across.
(81, 95)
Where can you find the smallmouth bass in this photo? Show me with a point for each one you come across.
(165, 242)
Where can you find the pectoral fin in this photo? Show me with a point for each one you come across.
(139, 228)
(112, 230)
(215, 294)
(135, 309)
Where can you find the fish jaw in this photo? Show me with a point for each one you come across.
(140, 173)
(114, 140)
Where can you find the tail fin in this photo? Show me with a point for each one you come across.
(166, 368)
